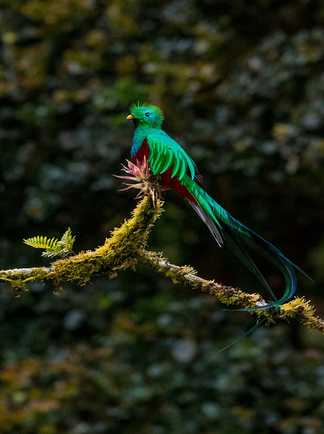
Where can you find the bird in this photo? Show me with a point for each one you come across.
(174, 168)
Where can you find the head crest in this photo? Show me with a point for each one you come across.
(147, 114)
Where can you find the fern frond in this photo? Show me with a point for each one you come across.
(42, 242)
(53, 247)
(67, 240)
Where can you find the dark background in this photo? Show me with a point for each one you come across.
(242, 85)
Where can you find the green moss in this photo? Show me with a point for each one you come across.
(119, 252)
(18, 279)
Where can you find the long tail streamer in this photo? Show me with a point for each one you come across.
(228, 230)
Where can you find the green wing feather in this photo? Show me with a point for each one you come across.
(166, 153)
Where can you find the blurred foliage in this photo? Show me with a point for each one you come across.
(242, 83)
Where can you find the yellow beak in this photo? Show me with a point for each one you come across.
(130, 117)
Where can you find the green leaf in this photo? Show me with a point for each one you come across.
(42, 242)
(53, 247)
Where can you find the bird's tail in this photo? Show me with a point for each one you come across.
(227, 230)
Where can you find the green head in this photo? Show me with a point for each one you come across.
(146, 115)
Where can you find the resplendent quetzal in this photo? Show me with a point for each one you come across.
(168, 160)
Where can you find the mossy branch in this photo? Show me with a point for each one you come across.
(118, 252)
(127, 246)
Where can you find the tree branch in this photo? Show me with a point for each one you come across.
(127, 246)
(118, 252)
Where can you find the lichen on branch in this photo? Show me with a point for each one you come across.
(127, 246)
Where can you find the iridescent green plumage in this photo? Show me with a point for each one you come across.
(176, 170)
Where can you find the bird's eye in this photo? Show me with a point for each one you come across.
(147, 114)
